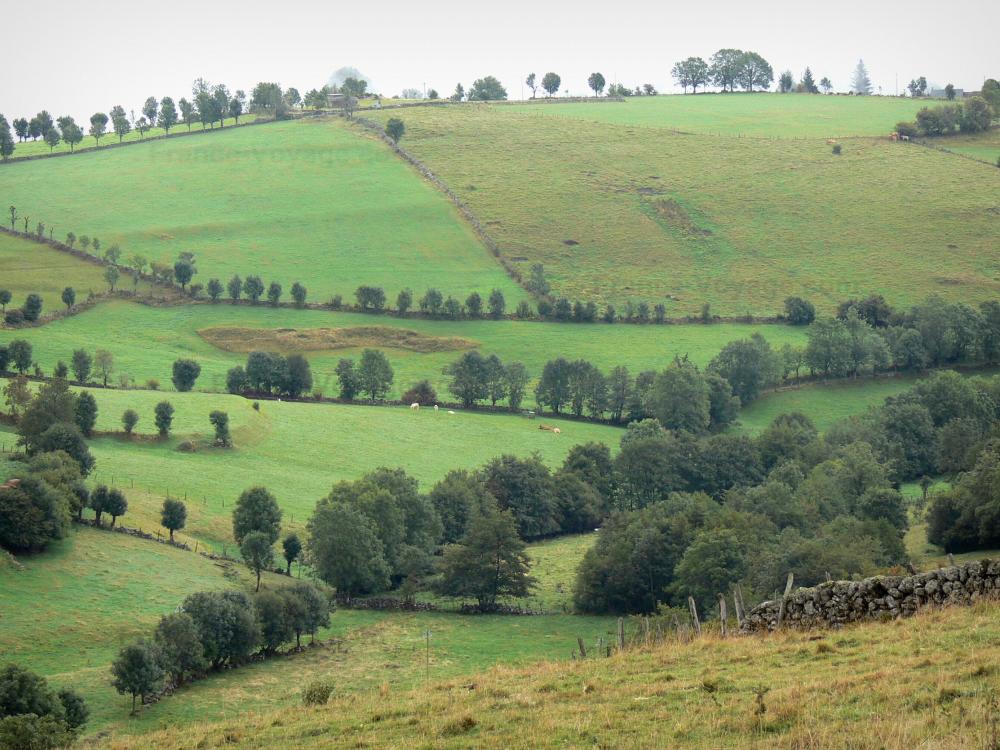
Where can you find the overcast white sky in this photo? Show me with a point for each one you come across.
(73, 57)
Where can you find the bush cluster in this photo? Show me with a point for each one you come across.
(705, 513)
(268, 373)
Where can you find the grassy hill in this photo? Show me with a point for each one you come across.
(301, 201)
(747, 115)
(929, 681)
(148, 339)
(623, 211)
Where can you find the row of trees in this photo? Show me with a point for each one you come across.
(727, 69)
(213, 630)
(209, 104)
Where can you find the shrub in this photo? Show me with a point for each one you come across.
(909, 129)
(837, 149)
(32, 307)
(317, 693)
(799, 312)
(421, 393)
(153, 384)
(14, 317)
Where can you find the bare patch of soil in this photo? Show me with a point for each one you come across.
(288, 340)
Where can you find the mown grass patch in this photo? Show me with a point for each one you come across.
(301, 201)
(787, 216)
(761, 115)
(299, 340)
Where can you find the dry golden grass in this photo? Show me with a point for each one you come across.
(927, 682)
(290, 340)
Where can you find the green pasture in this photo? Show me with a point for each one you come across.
(27, 267)
(827, 402)
(146, 340)
(761, 115)
(40, 147)
(298, 450)
(304, 201)
(620, 212)
(823, 403)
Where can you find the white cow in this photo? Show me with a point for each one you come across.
(450, 411)
(556, 430)
(415, 406)
(435, 407)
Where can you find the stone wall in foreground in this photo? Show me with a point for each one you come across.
(883, 597)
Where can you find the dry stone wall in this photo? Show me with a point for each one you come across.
(884, 597)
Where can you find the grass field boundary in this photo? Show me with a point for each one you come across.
(92, 149)
(463, 209)
(927, 143)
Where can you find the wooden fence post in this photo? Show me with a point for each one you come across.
(583, 649)
(645, 630)
(722, 615)
(784, 599)
(621, 633)
(694, 615)
(738, 605)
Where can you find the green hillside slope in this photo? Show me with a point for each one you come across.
(301, 201)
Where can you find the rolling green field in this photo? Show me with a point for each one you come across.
(301, 201)
(27, 267)
(146, 341)
(34, 148)
(64, 613)
(755, 115)
(299, 450)
(619, 212)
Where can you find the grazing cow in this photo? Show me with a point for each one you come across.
(450, 411)
(415, 406)
(557, 431)
(545, 427)
(831, 141)
(905, 138)
(435, 407)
